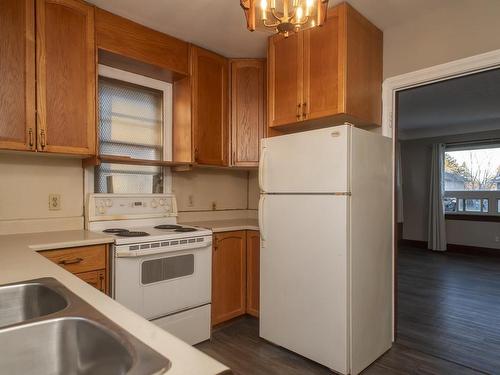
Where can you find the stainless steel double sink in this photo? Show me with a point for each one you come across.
(47, 329)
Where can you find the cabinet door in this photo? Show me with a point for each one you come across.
(210, 107)
(66, 81)
(323, 72)
(285, 65)
(247, 110)
(228, 276)
(95, 278)
(253, 272)
(17, 69)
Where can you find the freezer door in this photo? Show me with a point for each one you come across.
(315, 161)
(303, 276)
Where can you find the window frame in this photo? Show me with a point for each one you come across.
(167, 89)
(492, 196)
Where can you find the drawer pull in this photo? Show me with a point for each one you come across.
(71, 261)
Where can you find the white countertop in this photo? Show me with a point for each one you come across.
(226, 225)
(20, 261)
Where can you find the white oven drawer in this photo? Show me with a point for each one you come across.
(191, 326)
(161, 284)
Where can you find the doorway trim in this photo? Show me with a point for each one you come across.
(390, 87)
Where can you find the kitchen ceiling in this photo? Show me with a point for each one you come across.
(219, 25)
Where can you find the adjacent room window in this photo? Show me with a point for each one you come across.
(134, 122)
(472, 179)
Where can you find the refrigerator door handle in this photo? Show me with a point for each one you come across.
(261, 168)
(261, 217)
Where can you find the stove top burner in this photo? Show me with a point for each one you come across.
(132, 234)
(115, 230)
(168, 226)
(185, 229)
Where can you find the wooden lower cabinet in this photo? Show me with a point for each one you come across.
(95, 278)
(253, 272)
(235, 275)
(228, 276)
(89, 263)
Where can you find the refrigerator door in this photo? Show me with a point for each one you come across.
(303, 276)
(315, 161)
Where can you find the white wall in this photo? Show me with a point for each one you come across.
(26, 180)
(445, 34)
(415, 155)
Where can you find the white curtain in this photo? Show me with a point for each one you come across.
(437, 226)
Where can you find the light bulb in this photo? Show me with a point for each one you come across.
(309, 4)
(299, 14)
(263, 7)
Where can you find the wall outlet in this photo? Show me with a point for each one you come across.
(191, 200)
(54, 202)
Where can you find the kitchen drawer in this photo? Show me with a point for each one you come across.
(95, 278)
(79, 259)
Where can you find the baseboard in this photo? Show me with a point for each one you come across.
(454, 248)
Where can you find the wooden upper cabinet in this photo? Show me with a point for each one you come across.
(285, 64)
(66, 79)
(322, 70)
(247, 110)
(125, 38)
(17, 72)
(326, 75)
(210, 107)
(228, 276)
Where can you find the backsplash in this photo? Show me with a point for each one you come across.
(24, 195)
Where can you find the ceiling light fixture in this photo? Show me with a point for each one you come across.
(284, 16)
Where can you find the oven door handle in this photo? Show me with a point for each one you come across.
(145, 252)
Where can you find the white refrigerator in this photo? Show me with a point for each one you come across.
(325, 217)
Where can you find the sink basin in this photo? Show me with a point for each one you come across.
(63, 346)
(21, 302)
(46, 329)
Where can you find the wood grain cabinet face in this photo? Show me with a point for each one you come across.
(228, 276)
(285, 79)
(326, 75)
(210, 107)
(17, 72)
(89, 263)
(253, 272)
(247, 110)
(66, 79)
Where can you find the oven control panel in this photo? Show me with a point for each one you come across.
(130, 206)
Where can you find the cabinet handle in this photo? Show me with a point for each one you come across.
(298, 111)
(42, 138)
(30, 134)
(304, 110)
(71, 261)
(196, 154)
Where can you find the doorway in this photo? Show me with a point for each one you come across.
(447, 138)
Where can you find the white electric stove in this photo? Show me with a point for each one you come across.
(160, 269)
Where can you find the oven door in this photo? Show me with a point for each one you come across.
(164, 283)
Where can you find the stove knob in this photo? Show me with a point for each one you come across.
(154, 203)
(101, 209)
(109, 203)
(162, 202)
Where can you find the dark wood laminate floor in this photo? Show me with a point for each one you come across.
(449, 306)
(449, 323)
